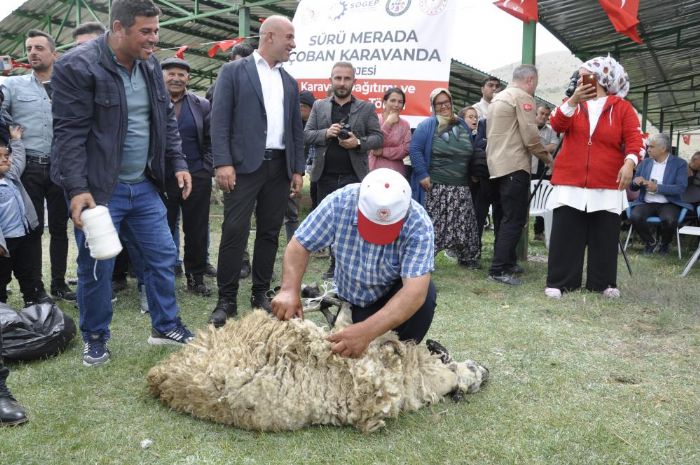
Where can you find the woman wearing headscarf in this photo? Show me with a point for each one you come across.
(441, 149)
(397, 133)
(601, 146)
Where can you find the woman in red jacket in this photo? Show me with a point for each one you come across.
(601, 147)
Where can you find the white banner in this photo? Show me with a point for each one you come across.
(391, 43)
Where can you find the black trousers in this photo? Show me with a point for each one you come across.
(39, 187)
(329, 183)
(416, 327)
(510, 195)
(481, 197)
(574, 231)
(266, 190)
(23, 251)
(195, 218)
(667, 212)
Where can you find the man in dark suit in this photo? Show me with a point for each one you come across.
(662, 179)
(258, 147)
(192, 113)
(342, 129)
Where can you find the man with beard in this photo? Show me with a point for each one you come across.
(115, 143)
(258, 147)
(28, 104)
(342, 129)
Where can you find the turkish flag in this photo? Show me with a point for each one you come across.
(686, 139)
(181, 52)
(224, 45)
(623, 16)
(524, 10)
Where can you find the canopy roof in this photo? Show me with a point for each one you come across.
(663, 70)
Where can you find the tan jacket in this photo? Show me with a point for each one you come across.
(512, 133)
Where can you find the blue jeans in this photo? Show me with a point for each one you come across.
(140, 211)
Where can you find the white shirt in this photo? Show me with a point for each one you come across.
(657, 172)
(482, 108)
(582, 198)
(273, 95)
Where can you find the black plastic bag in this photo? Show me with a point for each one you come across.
(38, 331)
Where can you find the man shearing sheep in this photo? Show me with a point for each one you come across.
(384, 249)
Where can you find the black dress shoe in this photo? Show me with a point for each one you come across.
(516, 269)
(62, 291)
(505, 279)
(224, 310)
(211, 271)
(245, 269)
(178, 270)
(260, 301)
(41, 297)
(11, 413)
(195, 285)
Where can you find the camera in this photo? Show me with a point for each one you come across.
(345, 130)
(573, 82)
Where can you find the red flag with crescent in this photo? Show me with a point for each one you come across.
(623, 16)
(524, 10)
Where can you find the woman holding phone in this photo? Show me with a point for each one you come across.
(601, 147)
(397, 134)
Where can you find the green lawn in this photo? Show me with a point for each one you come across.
(577, 381)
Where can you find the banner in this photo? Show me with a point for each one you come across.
(524, 10)
(623, 16)
(390, 43)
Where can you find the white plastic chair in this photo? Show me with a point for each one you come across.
(539, 206)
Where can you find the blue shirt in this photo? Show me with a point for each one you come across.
(364, 271)
(136, 143)
(13, 222)
(28, 105)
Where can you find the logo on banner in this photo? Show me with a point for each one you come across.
(432, 7)
(397, 7)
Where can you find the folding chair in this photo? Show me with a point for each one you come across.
(657, 220)
(691, 231)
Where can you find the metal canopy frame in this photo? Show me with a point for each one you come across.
(662, 70)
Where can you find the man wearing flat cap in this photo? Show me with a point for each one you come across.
(384, 246)
(192, 113)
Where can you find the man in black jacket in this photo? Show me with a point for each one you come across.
(115, 143)
(192, 114)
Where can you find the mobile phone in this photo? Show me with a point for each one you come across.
(590, 79)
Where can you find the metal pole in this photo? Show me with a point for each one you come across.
(645, 109)
(244, 21)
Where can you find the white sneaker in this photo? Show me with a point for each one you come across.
(552, 292)
(612, 293)
(143, 300)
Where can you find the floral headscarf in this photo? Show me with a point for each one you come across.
(444, 122)
(611, 75)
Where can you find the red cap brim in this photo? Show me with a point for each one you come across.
(380, 234)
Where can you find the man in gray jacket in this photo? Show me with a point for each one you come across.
(342, 129)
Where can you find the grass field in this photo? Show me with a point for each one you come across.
(584, 380)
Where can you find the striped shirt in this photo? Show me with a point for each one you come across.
(365, 272)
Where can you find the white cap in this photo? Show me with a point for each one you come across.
(385, 197)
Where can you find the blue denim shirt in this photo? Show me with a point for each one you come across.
(27, 104)
(12, 215)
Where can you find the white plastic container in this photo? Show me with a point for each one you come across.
(100, 236)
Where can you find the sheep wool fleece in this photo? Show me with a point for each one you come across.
(259, 373)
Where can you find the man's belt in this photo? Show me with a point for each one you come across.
(38, 159)
(272, 154)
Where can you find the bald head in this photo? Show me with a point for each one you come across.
(276, 39)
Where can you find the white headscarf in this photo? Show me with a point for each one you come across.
(611, 75)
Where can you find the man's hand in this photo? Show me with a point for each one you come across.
(16, 131)
(425, 184)
(286, 305)
(624, 176)
(333, 131)
(351, 341)
(639, 181)
(378, 152)
(184, 182)
(652, 186)
(3, 252)
(79, 203)
(297, 184)
(226, 178)
(350, 143)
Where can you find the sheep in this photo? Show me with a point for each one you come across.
(259, 373)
